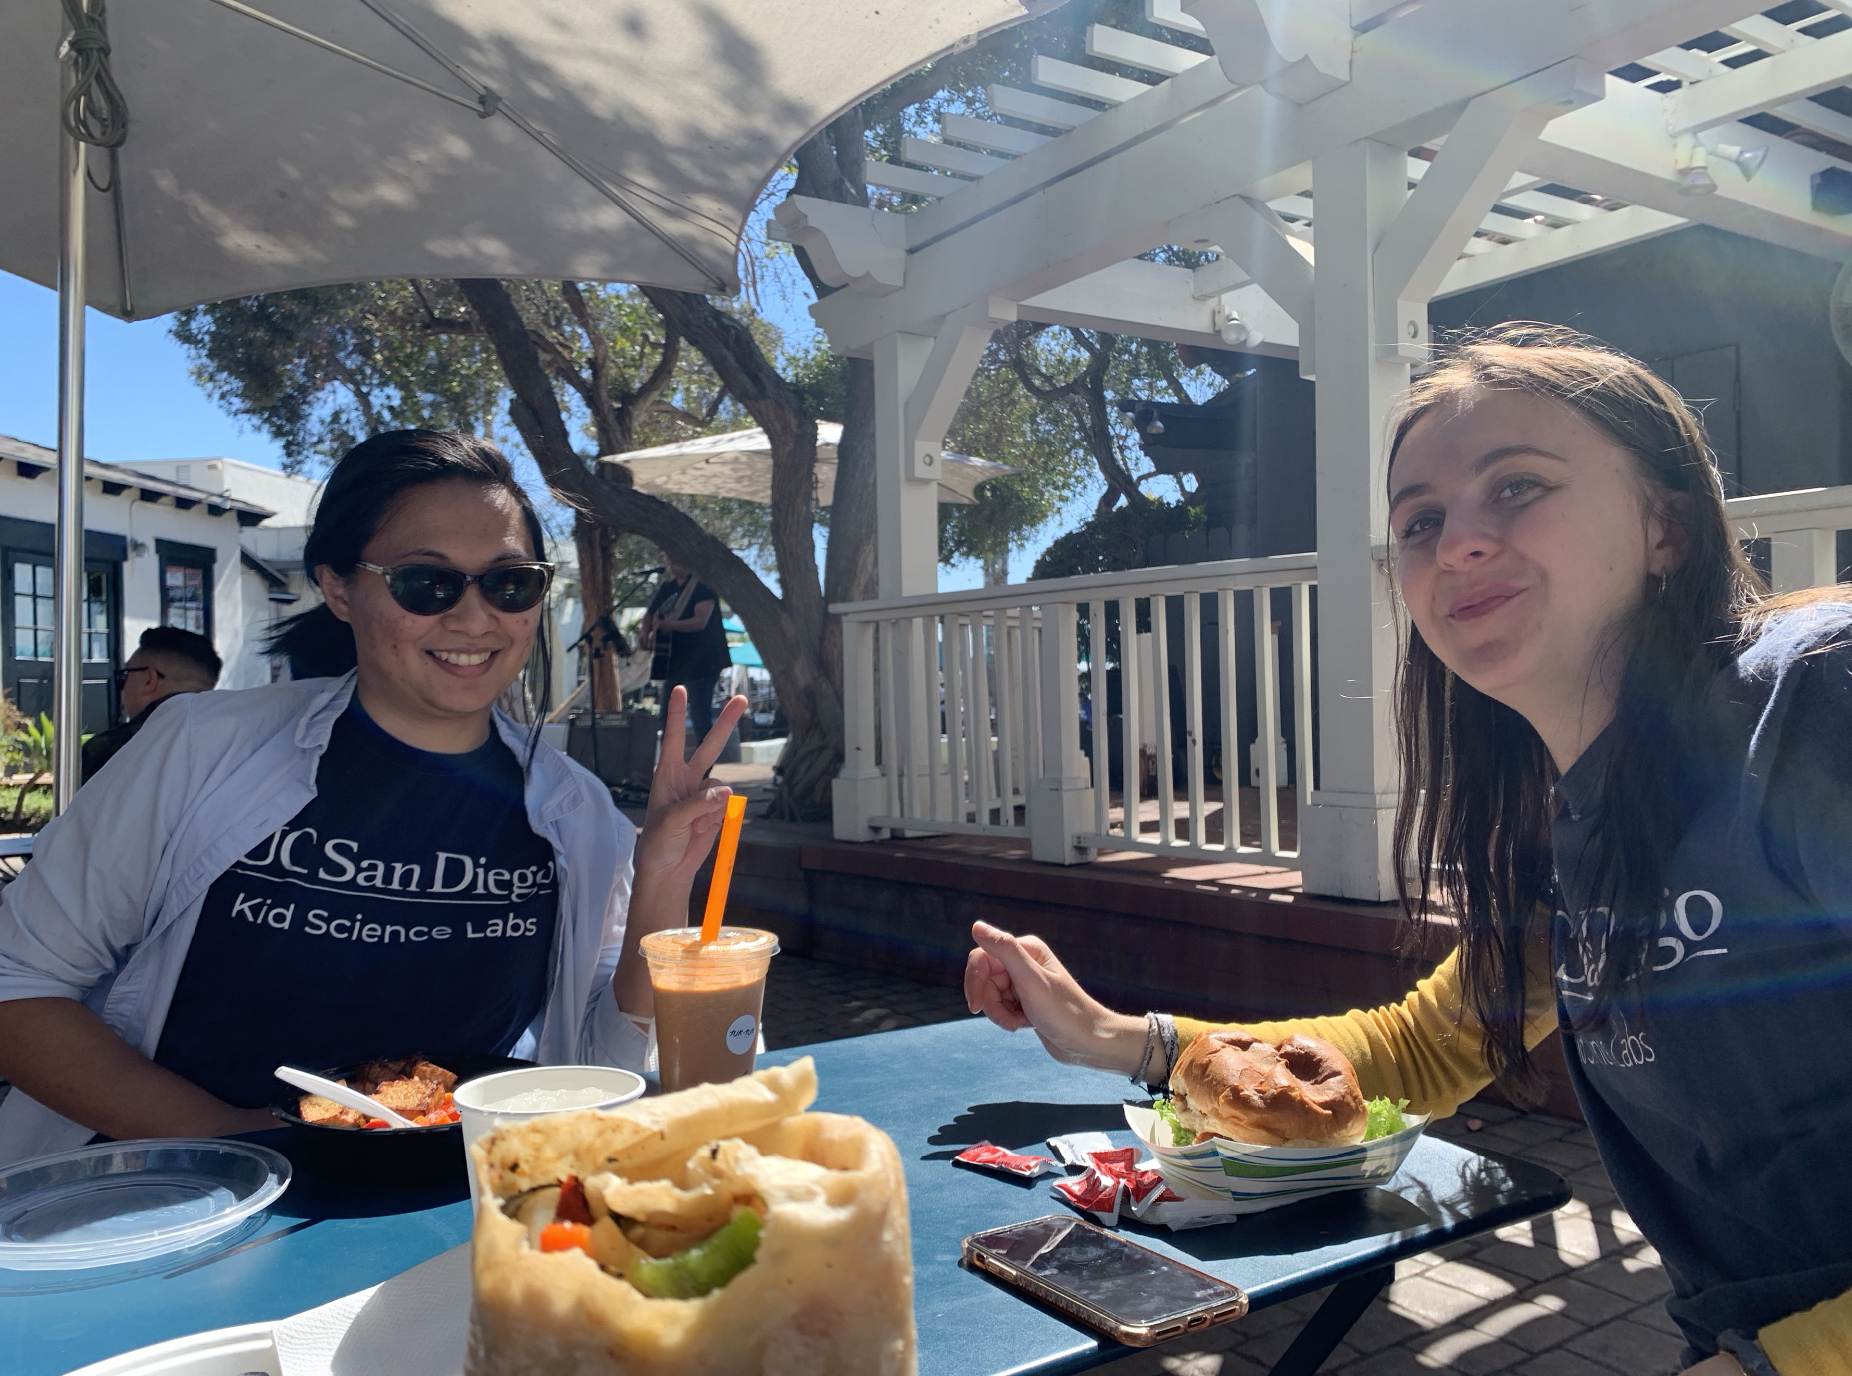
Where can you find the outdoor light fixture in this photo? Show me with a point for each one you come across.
(1748, 160)
(1691, 159)
(1234, 331)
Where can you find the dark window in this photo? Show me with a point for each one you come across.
(184, 589)
(186, 585)
(33, 602)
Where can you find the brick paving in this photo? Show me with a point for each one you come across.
(1576, 1293)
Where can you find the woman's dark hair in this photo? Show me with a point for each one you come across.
(1476, 804)
(361, 491)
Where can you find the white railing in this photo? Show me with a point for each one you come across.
(990, 712)
(1802, 531)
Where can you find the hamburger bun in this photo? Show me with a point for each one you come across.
(1300, 1092)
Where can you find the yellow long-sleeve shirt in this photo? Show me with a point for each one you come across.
(1428, 1049)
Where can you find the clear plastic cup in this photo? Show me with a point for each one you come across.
(708, 1001)
(515, 1096)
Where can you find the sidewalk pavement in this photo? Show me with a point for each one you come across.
(1576, 1293)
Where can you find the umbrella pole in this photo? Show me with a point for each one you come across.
(68, 635)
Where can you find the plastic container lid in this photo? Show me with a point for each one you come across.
(120, 1202)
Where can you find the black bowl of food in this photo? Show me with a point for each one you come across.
(338, 1143)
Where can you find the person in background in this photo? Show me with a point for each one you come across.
(167, 663)
(688, 611)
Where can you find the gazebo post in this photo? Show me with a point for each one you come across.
(1345, 831)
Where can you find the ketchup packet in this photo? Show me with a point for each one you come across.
(985, 1156)
(1093, 1193)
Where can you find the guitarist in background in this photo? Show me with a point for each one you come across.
(682, 626)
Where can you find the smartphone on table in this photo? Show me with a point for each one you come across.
(1130, 1293)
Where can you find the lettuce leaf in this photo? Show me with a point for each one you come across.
(1180, 1136)
(1385, 1118)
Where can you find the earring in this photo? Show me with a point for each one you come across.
(1663, 580)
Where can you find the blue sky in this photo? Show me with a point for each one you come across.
(142, 403)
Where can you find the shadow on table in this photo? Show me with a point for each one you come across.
(1019, 1123)
(1336, 1220)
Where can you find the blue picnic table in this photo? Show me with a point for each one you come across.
(935, 1090)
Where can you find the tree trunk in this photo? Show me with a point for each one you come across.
(813, 753)
(787, 631)
(597, 591)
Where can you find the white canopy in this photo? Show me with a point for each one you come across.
(739, 464)
(547, 139)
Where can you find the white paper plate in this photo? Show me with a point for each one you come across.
(121, 1202)
(247, 1350)
(1258, 1178)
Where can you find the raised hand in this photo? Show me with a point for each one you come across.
(685, 811)
(1017, 982)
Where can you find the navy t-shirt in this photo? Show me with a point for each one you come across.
(408, 908)
(1721, 1096)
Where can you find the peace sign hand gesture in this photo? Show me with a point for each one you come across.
(684, 817)
(685, 812)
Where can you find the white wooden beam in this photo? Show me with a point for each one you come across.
(944, 375)
(1621, 147)
(1298, 49)
(909, 180)
(1038, 109)
(1111, 189)
(1169, 14)
(1796, 74)
(1156, 301)
(984, 133)
(1071, 79)
(1133, 50)
(1466, 177)
(945, 157)
(1555, 247)
(849, 245)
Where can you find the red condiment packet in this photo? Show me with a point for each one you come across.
(985, 1156)
(1093, 1193)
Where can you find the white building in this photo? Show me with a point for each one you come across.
(210, 545)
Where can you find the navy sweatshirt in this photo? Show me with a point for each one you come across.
(1720, 1094)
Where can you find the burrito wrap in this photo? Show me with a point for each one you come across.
(829, 1291)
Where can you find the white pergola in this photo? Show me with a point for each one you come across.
(1350, 161)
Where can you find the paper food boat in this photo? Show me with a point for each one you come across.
(1251, 1179)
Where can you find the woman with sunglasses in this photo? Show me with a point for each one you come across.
(1627, 773)
(370, 860)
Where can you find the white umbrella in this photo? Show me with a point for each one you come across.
(739, 464)
(297, 142)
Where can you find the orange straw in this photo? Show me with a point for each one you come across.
(723, 868)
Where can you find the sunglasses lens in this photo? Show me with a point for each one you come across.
(514, 589)
(426, 589)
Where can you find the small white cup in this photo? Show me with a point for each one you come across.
(472, 1099)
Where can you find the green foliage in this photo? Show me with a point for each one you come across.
(321, 368)
(1116, 540)
(1000, 421)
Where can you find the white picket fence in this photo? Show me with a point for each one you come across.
(969, 712)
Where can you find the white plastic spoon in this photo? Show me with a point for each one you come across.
(342, 1095)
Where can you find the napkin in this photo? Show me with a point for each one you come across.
(412, 1325)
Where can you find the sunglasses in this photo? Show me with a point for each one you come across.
(432, 589)
(122, 675)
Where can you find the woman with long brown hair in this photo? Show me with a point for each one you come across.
(1627, 777)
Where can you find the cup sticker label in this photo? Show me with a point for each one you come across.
(741, 1034)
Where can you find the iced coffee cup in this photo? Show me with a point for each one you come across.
(708, 1001)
